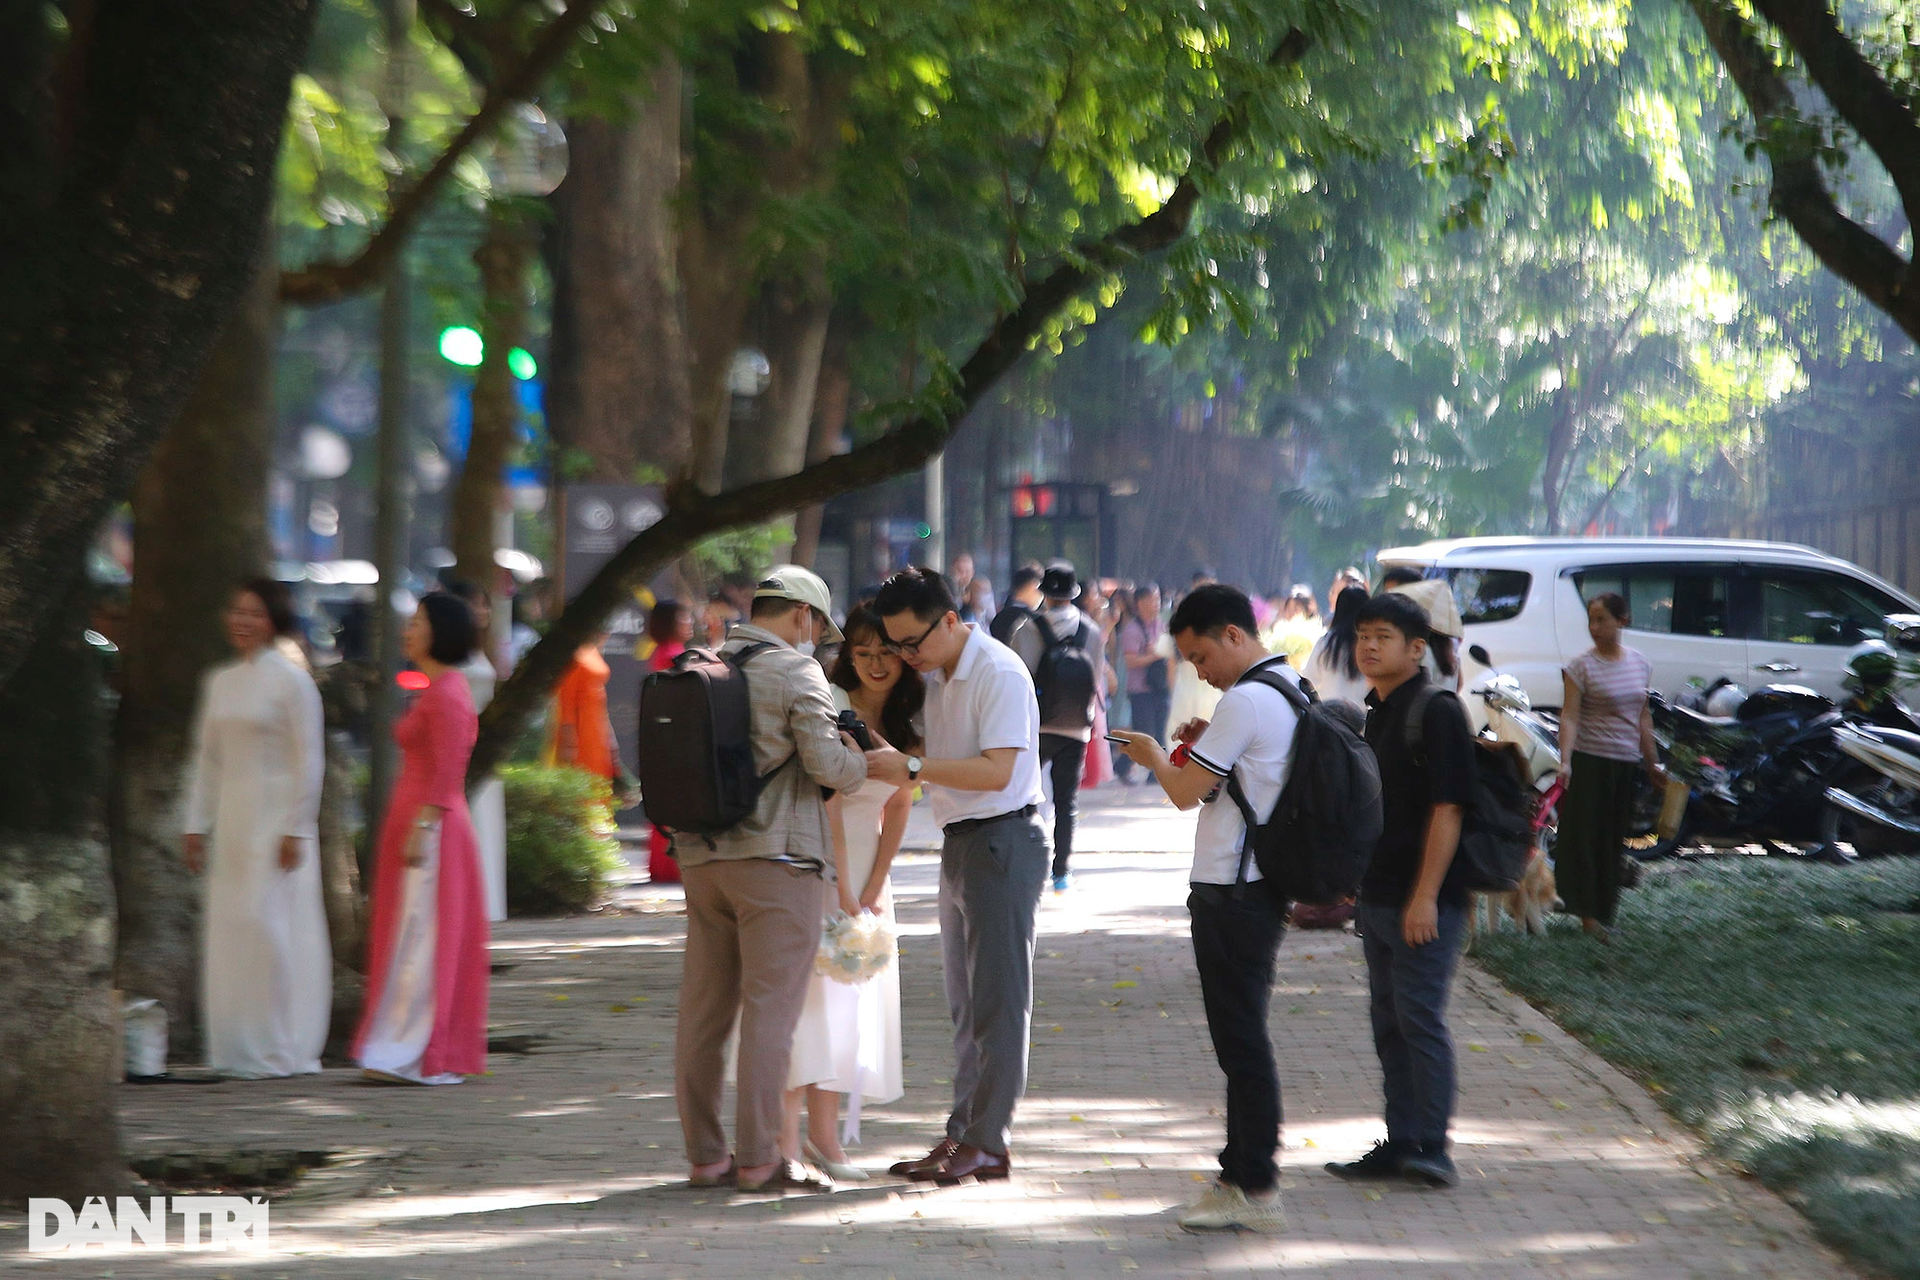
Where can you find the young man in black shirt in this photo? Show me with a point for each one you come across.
(1413, 908)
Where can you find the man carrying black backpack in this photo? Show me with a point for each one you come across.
(1413, 900)
(756, 892)
(1061, 647)
(1237, 923)
(1023, 603)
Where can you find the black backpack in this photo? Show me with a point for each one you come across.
(1001, 628)
(1064, 679)
(1496, 828)
(1315, 845)
(695, 748)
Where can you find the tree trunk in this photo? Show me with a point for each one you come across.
(829, 422)
(794, 337)
(199, 527)
(618, 397)
(126, 256)
(717, 302)
(57, 1024)
(502, 258)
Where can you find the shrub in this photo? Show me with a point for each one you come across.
(561, 849)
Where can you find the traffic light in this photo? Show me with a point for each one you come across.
(462, 345)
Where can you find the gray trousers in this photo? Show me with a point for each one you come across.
(990, 881)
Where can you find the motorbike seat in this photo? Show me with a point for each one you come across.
(1701, 720)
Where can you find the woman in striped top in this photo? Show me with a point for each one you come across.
(1606, 734)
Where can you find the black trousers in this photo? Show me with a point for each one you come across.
(1065, 760)
(1234, 945)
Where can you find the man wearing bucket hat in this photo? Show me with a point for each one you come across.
(756, 894)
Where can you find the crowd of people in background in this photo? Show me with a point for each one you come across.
(996, 710)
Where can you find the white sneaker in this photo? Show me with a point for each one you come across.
(1223, 1207)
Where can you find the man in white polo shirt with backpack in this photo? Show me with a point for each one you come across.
(1237, 923)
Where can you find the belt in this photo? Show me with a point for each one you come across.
(965, 825)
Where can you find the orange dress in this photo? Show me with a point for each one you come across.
(581, 703)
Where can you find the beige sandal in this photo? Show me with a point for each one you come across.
(724, 1178)
(787, 1175)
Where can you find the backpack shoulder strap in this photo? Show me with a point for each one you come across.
(1417, 719)
(1299, 699)
(1299, 695)
(1240, 801)
(746, 653)
(738, 660)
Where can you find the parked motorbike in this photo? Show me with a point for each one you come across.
(1874, 806)
(1763, 773)
(1511, 718)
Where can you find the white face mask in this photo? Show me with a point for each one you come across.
(805, 647)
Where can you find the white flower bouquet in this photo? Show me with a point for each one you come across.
(854, 948)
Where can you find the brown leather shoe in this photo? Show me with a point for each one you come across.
(932, 1160)
(966, 1162)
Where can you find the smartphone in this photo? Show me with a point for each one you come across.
(1117, 740)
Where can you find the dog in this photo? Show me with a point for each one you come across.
(1528, 905)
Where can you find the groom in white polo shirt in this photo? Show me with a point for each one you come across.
(982, 774)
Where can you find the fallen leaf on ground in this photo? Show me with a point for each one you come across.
(1124, 983)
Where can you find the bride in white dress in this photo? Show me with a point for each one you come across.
(848, 1038)
(266, 989)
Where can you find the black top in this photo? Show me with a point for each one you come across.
(1409, 789)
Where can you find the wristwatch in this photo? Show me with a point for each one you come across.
(913, 768)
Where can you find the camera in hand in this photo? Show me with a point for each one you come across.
(854, 727)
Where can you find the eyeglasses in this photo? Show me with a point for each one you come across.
(906, 648)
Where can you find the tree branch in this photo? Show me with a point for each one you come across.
(464, 35)
(1799, 192)
(1853, 86)
(328, 281)
(692, 515)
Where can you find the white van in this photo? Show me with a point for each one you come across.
(1757, 612)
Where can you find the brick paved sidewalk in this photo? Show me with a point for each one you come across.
(567, 1162)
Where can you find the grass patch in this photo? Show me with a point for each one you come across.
(1773, 1006)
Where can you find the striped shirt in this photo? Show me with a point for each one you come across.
(1612, 695)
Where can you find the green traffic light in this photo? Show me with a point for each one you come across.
(923, 530)
(462, 346)
(520, 361)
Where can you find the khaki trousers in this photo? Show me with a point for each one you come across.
(753, 927)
